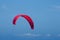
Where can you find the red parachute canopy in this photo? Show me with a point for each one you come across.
(26, 17)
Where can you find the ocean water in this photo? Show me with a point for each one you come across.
(10, 37)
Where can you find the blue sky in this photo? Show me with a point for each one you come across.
(45, 14)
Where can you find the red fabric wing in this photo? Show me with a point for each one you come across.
(26, 17)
